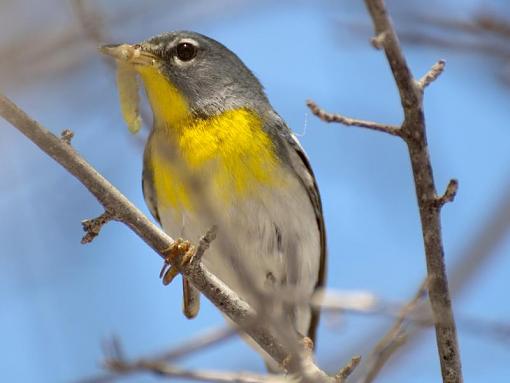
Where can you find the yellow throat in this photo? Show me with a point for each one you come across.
(229, 152)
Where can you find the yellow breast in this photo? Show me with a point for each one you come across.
(229, 154)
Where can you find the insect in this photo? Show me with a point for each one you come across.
(128, 85)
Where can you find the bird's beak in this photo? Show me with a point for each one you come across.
(130, 54)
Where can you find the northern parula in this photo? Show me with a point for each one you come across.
(218, 154)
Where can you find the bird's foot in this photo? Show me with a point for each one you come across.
(179, 253)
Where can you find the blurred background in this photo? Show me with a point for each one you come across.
(61, 300)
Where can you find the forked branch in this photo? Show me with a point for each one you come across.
(413, 132)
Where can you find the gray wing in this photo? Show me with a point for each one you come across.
(288, 146)
(148, 184)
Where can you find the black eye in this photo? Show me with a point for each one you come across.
(186, 51)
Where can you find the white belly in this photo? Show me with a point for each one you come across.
(269, 240)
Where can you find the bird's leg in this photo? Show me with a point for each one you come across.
(190, 299)
(180, 252)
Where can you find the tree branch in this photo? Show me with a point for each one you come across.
(166, 370)
(124, 211)
(394, 338)
(347, 370)
(432, 74)
(471, 260)
(117, 363)
(449, 194)
(414, 133)
(334, 117)
(93, 226)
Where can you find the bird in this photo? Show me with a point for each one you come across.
(219, 155)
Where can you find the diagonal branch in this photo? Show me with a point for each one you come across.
(124, 211)
(117, 363)
(449, 194)
(432, 74)
(474, 256)
(93, 226)
(342, 375)
(165, 370)
(395, 337)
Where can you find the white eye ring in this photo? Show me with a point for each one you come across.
(185, 50)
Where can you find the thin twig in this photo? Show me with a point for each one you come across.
(484, 34)
(474, 256)
(394, 338)
(196, 344)
(199, 343)
(416, 313)
(432, 74)
(471, 260)
(486, 48)
(204, 243)
(93, 226)
(449, 194)
(164, 369)
(117, 363)
(112, 200)
(479, 25)
(333, 117)
(90, 20)
(342, 375)
(66, 136)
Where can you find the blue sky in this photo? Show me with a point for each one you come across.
(61, 299)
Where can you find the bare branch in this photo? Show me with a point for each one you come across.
(449, 194)
(494, 24)
(204, 243)
(124, 211)
(196, 344)
(117, 363)
(409, 94)
(66, 136)
(164, 369)
(333, 117)
(414, 133)
(90, 20)
(342, 375)
(411, 315)
(474, 256)
(93, 226)
(199, 343)
(394, 338)
(432, 74)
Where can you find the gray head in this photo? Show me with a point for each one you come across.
(211, 77)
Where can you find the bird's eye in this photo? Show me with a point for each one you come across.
(186, 51)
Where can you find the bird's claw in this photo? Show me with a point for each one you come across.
(179, 250)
